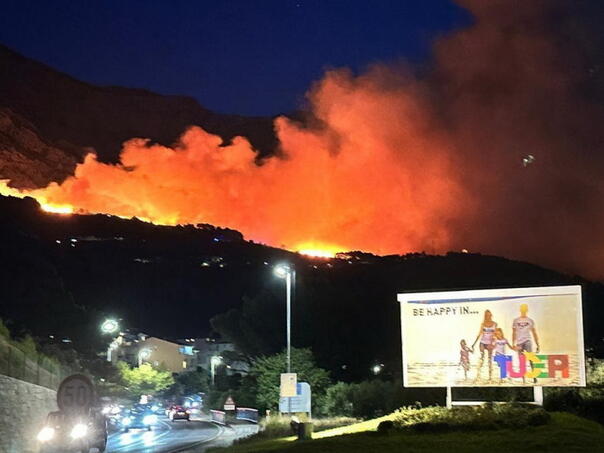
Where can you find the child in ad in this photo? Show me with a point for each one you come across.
(499, 345)
(464, 357)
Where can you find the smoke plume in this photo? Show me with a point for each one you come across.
(397, 160)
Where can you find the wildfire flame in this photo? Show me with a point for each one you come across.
(52, 208)
(314, 250)
(57, 209)
(367, 179)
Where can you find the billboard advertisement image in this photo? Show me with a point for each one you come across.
(493, 338)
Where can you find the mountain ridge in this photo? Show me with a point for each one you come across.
(75, 117)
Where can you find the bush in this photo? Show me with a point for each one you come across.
(587, 402)
(367, 399)
(439, 419)
(338, 400)
(373, 398)
(385, 427)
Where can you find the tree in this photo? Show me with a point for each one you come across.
(145, 379)
(188, 383)
(338, 400)
(267, 371)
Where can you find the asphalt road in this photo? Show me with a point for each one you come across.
(166, 437)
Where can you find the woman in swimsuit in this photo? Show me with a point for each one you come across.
(485, 335)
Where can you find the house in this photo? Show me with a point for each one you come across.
(136, 349)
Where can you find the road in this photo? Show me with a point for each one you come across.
(166, 437)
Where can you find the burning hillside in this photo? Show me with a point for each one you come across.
(331, 190)
(393, 162)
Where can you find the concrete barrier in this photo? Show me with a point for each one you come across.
(247, 414)
(218, 417)
(23, 410)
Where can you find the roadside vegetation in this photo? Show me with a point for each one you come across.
(280, 426)
(476, 431)
(23, 358)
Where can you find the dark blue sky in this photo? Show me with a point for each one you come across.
(252, 57)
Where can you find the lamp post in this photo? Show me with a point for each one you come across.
(110, 326)
(214, 361)
(289, 274)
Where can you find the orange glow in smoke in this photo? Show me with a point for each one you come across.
(368, 178)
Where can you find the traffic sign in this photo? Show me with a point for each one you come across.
(75, 394)
(288, 385)
(299, 403)
(229, 404)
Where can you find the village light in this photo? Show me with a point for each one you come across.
(377, 368)
(143, 354)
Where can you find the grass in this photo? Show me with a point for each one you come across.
(564, 433)
(279, 425)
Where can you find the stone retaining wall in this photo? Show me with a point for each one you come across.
(23, 410)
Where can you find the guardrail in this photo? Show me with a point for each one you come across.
(218, 417)
(31, 367)
(247, 414)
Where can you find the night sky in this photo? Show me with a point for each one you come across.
(236, 56)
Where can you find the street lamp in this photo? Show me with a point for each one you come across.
(214, 362)
(289, 274)
(143, 354)
(110, 326)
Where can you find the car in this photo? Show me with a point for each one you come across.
(139, 417)
(63, 432)
(170, 407)
(178, 413)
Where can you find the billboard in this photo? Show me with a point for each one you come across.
(493, 338)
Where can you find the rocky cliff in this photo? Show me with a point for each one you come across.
(49, 120)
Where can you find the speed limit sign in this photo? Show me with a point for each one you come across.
(75, 394)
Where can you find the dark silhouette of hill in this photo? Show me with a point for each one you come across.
(62, 274)
(72, 117)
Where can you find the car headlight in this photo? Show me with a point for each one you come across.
(150, 420)
(79, 431)
(46, 434)
(126, 420)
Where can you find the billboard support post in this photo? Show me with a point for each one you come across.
(449, 397)
(538, 395)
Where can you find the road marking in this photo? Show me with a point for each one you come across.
(140, 441)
